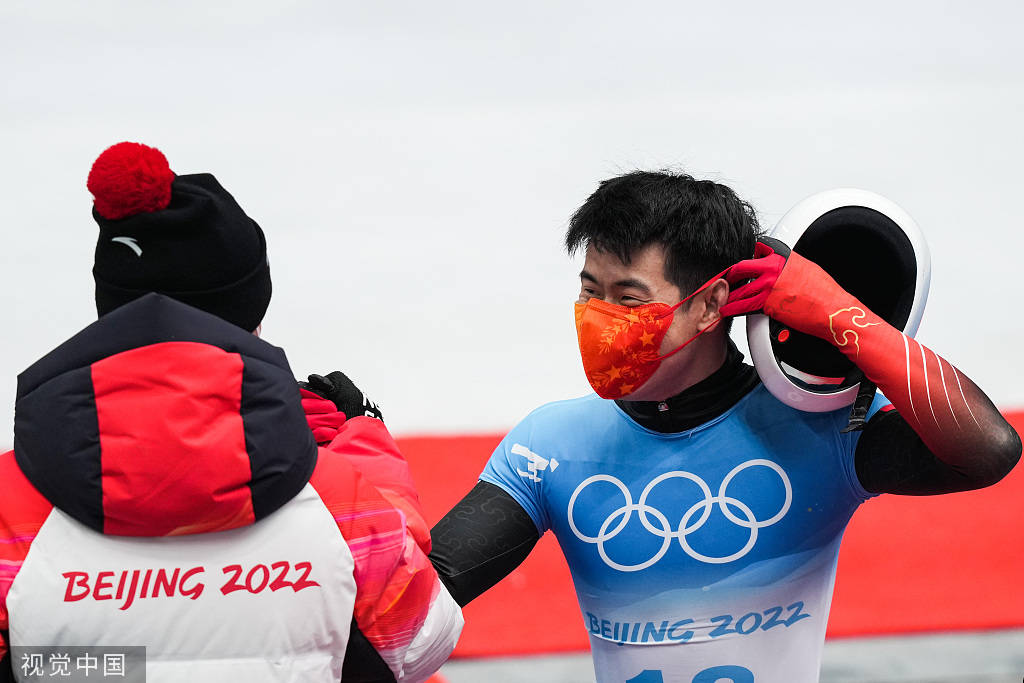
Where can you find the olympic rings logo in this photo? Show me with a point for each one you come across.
(610, 528)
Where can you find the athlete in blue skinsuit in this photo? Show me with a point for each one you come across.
(722, 538)
(700, 516)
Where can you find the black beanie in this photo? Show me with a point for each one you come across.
(182, 236)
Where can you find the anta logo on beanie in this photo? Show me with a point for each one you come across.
(130, 243)
(201, 248)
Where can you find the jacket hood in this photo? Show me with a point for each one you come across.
(160, 419)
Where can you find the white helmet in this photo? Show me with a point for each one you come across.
(876, 252)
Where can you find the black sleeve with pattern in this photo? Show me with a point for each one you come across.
(480, 541)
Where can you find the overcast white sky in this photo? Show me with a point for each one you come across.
(414, 164)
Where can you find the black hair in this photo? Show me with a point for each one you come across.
(703, 225)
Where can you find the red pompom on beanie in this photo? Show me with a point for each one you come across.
(130, 178)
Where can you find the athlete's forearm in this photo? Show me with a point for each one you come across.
(480, 541)
(953, 417)
(892, 458)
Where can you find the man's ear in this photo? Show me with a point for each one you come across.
(713, 298)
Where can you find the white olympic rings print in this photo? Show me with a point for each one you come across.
(686, 527)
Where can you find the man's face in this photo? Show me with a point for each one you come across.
(642, 281)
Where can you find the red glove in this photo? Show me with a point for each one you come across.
(755, 277)
(796, 292)
(323, 416)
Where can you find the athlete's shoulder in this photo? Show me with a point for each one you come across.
(558, 419)
(778, 427)
(762, 409)
(570, 407)
(580, 404)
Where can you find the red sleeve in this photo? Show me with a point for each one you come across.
(368, 446)
(953, 417)
(395, 582)
(22, 512)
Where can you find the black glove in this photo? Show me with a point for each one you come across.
(340, 390)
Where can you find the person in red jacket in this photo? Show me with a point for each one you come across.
(166, 491)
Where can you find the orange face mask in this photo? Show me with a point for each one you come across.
(620, 345)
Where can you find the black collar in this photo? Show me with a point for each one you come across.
(702, 402)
